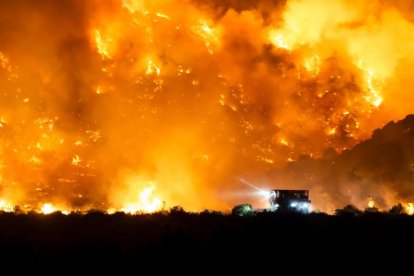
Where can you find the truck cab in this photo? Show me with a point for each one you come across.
(290, 201)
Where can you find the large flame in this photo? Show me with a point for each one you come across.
(123, 104)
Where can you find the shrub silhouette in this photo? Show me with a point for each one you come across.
(397, 209)
(180, 235)
(177, 210)
(348, 210)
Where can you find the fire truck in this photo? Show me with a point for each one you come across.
(290, 201)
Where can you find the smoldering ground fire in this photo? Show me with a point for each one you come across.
(124, 105)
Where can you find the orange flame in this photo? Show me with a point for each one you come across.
(147, 203)
(134, 101)
(47, 209)
(371, 203)
(409, 208)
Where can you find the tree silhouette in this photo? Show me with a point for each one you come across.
(397, 209)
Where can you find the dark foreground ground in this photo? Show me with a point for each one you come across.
(214, 237)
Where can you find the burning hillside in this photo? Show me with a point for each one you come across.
(376, 173)
(132, 104)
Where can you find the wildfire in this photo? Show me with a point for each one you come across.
(279, 40)
(47, 209)
(6, 206)
(409, 208)
(208, 34)
(374, 98)
(152, 68)
(76, 160)
(332, 131)
(185, 95)
(147, 203)
(313, 64)
(133, 5)
(371, 203)
(284, 142)
(99, 90)
(102, 45)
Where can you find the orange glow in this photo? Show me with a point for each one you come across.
(6, 206)
(136, 195)
(371, 203)
(284, 142)
(332, 131)
(133, 5)
(152, 68)
(131, 105)
(47, 209)
(312, 64)
(102, 44)
(208, 34)
(279, 39)
(147, 203)
(76, 160)
(409, 208)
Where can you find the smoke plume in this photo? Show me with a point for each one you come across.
(124, 104)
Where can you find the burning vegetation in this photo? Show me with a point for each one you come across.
(131, 104)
